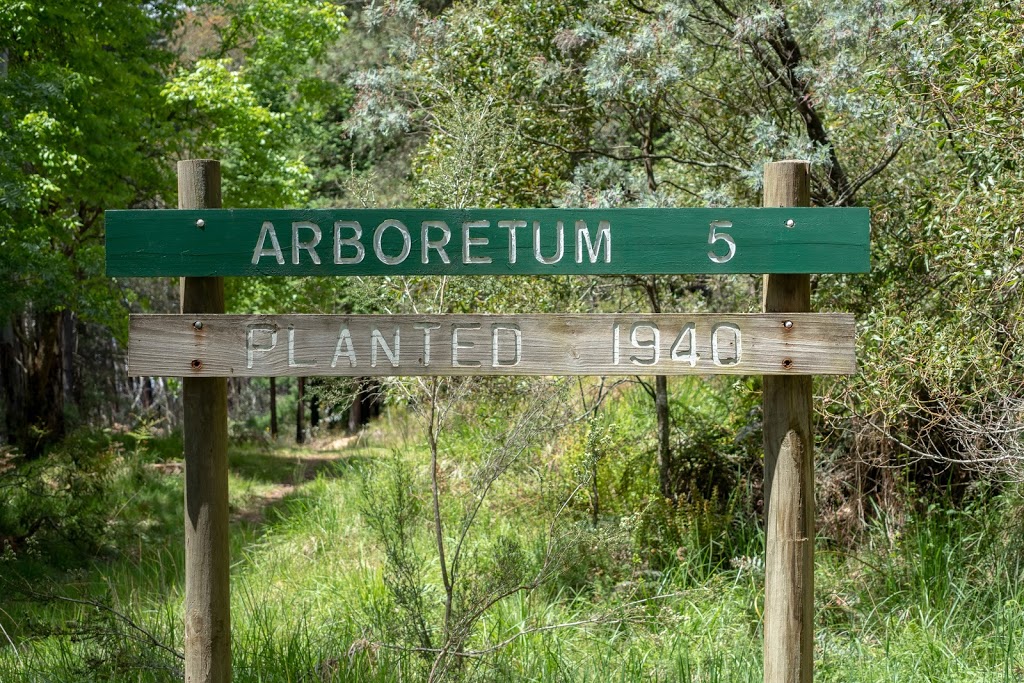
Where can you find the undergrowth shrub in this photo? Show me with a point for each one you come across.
(716, 467)
(392, 509)
(600, 564)
(693, 532)
(62, 505)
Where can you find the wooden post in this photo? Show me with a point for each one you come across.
(207, 602)
(789, 469)
(300, 427)
(273, 408)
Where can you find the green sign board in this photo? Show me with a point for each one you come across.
(216, 242)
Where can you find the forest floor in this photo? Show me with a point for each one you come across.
(936, 599)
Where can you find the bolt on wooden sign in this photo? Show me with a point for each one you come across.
(216, 242)
(375, 345)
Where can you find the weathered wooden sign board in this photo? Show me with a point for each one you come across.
(215, 242)
(376, 345)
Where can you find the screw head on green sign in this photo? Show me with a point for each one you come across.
(247, 242)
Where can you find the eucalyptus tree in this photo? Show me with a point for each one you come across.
(625, 102)
(942, 389)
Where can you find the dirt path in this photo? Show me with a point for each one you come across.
(306, 463)
(314, 458)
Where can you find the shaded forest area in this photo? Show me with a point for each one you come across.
(590, 501)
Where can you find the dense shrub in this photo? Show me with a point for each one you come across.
(64, 504)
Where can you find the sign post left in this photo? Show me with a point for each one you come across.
(207, 567)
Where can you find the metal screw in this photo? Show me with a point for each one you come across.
(790, 223)
(788, 324)
(198, 324)
(786, 363)
(200, 223)
(196, 364)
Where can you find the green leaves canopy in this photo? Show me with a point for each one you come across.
(84, 128)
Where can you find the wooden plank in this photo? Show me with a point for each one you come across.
(789, 472)
(486, 241)
(205, 427)
(618, 344)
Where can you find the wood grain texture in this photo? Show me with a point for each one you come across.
(789, 471)
(643, 241)
(360, 346)
(205, 426)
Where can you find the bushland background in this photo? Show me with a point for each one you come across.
(514, 529)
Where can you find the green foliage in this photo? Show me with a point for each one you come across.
(716, 455)
(392, 510)
(619, 103)
(231, 124)
(941, 342)
(697, 536)
(66, 502)
(281, 40)
(468, 70)
(84, 130)
(673, 94)
(256, 108)
(262, 104)
(935, 595)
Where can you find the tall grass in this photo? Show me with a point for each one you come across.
(937, 596)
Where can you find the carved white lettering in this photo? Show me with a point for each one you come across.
(436, 245)
(654, 343)
(511, 225)
(252, 346)
(344, 338)
(468, 242)
(604, 236)
(309, 246)
(377, 340)
(714, 236)
(689, 354)
(292, 363)
(353, 241)
(275, 247)
(426, 327)
(518, 345)
(406, 242)
(559, 244)
(457, 346)
(735, 347)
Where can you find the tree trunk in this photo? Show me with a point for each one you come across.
(314, 411)
(355, 411)
(147, 392)
(300, 431)
(68, 348)
(12, 377)
(372, 398)
(665, 473)
(115, 390)
(273, 407)
(33, 386)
